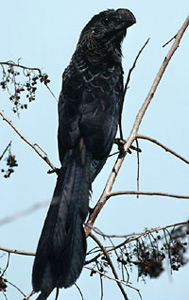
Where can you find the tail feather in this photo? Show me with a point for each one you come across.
(62, 246)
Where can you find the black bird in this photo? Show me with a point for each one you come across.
(89, 106)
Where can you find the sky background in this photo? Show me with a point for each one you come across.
(44, 34)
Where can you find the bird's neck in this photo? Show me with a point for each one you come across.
(95, 54)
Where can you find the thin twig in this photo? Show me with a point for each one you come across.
(51, 92)
(4, 294)
(144, 137)
(57, 293)
(134, 234)
(79, 290)
(134, 131)
(13, 64)
(101, 287)
(16, 287)
(8, 146)
(174, 37)
(118, 193)
(110, 264)
(44, 157)
(138, 167)
(7, 265)
(111, 278)
(29, 295)
(127, 84)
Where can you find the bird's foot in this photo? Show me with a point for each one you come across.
(120, 143)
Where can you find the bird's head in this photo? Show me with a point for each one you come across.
(108, 26)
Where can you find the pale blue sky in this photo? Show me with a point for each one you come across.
(44, 34)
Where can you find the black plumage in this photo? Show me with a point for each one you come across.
(89, 106)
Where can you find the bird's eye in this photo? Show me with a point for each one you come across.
(106, 20)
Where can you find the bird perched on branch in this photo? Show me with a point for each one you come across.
(89, 107)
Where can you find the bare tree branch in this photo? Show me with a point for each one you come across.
(14, 251)
(118, 193)
(33, 146)
(138, 167)
(15, 286)
(134, 131)
(13, 64)
(127, 84)
(174, 37)
(144, 137)
(29, 295)
(134, 236)
(8, 146)
(110, 264)
(79, 290)
(111, 278)
(6, 267)
(4, 294)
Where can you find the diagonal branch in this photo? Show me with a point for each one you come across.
(6, 149)
(16, 287)
(144, 137)
(33, 146)
(111, 278)
(127, 84)
(110, 264)
(134, 131)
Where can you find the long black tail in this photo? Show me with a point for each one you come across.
(62, 246)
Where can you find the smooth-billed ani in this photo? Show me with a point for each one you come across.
(89, 105)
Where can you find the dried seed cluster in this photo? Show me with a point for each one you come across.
(21, 81)
(3, 285)
(148, 253)
(11, 162)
